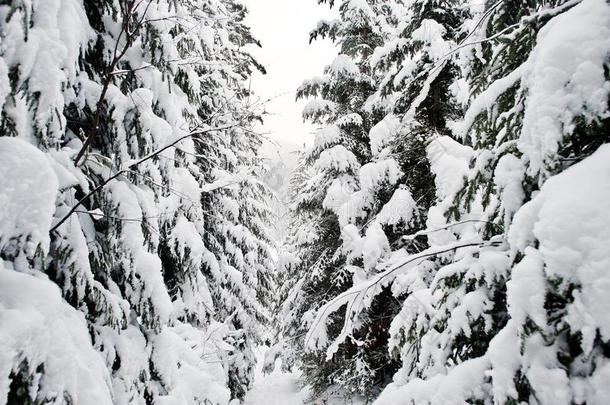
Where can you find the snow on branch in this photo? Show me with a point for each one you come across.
(361, 295)
(135, 164)
(117, 56)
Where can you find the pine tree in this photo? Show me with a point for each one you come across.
(393, 188)
(321, 266)
(464, 275)
(143, 121)
(493, 322)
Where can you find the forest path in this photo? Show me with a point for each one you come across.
(277, 388)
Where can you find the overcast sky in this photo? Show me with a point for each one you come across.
(283, 27)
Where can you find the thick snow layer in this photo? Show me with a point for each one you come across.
(464, 382)
(449, 160)
(375, 245)
(38, 327)
(46, 54)
(359, 7)
(316, 107)
(383, 52)
(374, 174)
(327, 136)
(149, 271)
(187, 242)
(338, 158)
(509, 176)
(571, 222)
(352, 241)
(565, 78)
(29, 188)
(354, 204)
(356, 207)
(283, 388)
(563, 234)
(343, 65)
(383, 132)
(349, 119)
(401, 207)
(5, 86)
(276, 388)
(187, 359)
(339, 192)
(432, 34)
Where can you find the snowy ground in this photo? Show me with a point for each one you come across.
(280, 388)
(277, 388)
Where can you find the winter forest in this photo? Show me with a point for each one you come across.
(443, 239)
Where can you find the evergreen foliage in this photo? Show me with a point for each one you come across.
(153, 227)
(442, 249)
(448, 238)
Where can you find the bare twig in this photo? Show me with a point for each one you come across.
(131, 167)
(117, 56)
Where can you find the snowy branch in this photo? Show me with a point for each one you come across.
(135, 164)
(117, 56)
(357, 294)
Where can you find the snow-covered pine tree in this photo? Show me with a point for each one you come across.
(330, 178)
(291, 274)
(472, 328)
(339, 151)
(510, 317)
(394, 189)
(116, 104)
(238, 246)
(417, 73)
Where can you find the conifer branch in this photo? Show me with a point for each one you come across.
(117, 56)
(360, 292)
(132, 166)
(426, 232)
(440, 63)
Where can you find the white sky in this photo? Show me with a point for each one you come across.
(283, 27)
